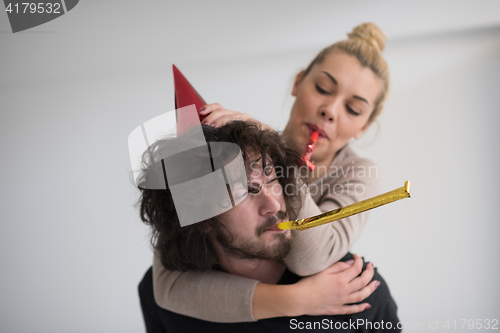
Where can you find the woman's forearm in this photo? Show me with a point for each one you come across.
(271, 301)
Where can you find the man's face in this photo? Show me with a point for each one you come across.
(252, 223)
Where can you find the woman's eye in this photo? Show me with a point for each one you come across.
(321, 90)
(351, 111)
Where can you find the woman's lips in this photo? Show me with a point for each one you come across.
(312, 127)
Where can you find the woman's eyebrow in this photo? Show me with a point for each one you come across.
(331, 77)
(361, 99)
(335, 82)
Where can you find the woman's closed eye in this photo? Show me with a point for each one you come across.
(321, 90)
(351, 111)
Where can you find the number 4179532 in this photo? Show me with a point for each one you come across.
(31, 7)
(487, 324)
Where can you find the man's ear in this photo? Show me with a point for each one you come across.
(298, 79)
(362, 130)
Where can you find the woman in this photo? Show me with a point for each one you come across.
(339, 95)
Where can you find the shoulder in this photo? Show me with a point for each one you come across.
(347, 156)
(146, 284)
(348, 164)
(348, 170)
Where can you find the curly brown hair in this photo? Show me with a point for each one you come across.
(190, 247)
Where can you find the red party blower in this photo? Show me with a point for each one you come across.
(311, 144)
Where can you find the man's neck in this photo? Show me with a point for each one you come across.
(267, 271)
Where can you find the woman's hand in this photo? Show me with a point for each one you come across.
(328, 292)
(216, 115)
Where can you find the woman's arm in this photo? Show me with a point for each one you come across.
(222, 297)
(210, 295)
(317, 248)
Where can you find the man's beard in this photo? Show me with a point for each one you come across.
(256, 249)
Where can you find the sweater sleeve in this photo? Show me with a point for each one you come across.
(317, 248)
(209, 295)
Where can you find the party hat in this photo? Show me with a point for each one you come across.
(185, 95)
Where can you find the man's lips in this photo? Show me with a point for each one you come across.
(275, 228)
(312, 127)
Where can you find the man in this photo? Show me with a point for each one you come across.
(243, 240)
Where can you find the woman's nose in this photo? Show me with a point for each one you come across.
(330, 111)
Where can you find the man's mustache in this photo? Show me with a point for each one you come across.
(270, 222)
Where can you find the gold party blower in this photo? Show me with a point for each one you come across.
(343, 212)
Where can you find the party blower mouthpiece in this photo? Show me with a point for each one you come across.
(343, 212)
(311, 144)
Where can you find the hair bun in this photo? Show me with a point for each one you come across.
(371, 34)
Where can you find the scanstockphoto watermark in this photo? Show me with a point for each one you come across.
(430, 325)
(358, 324)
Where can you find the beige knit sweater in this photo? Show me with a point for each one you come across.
(222, 297)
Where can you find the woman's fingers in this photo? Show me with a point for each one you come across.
(340, 266)
(216, 115)
(207, 109)
(221, 117)
(334, 290)
(350, 273)
(350, 309)
(362, 280)
(362, 294)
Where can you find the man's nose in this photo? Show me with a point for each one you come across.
(330, 110)
(271, 200)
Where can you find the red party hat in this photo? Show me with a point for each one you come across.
(185, 95)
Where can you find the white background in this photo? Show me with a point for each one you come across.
(72, 247)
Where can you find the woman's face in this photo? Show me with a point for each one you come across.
(336, 98)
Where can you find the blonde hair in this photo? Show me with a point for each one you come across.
(366, 42)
